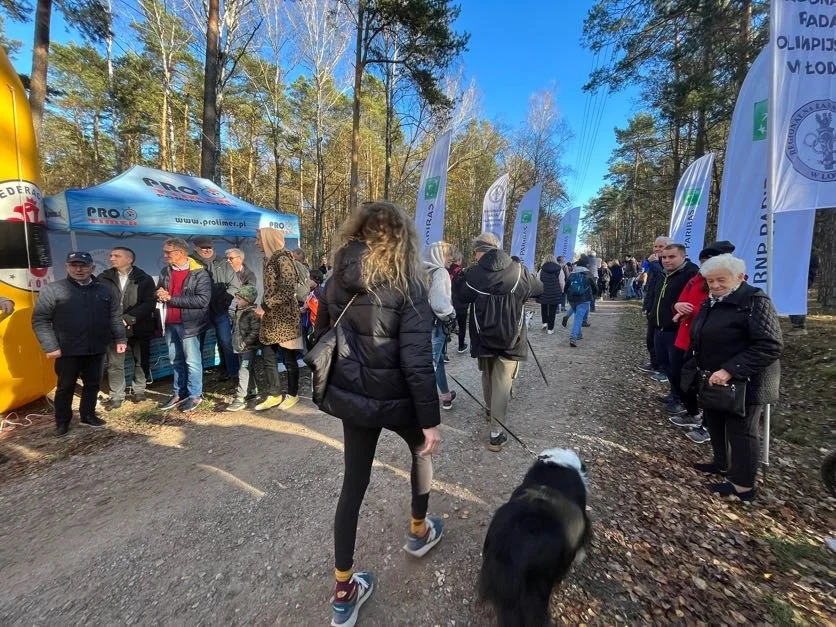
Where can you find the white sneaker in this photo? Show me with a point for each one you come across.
(544, 326)
(281, 367)
(551, 332)
(301, 363)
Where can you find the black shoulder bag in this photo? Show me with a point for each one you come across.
(322, 356)
(729, 398)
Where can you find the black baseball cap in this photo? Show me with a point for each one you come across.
(80, 257)
(204, 241)
(721, 247)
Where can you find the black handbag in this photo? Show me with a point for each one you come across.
(729, 398)
(322, 356)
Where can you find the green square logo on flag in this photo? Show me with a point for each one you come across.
(759, 120)
(691, 197)
(567, 230)
(431, 188)
(525, 218)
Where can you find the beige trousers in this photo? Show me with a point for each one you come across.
(497, 377)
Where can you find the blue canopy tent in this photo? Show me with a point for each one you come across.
(143, 206)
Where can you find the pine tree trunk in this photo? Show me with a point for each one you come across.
(354, 179)
(111, 92)
(210, 96)
(826, 240)
(390, 114)
(40, 62)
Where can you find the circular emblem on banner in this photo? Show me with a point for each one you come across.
(810, 141)
(211, 191)
(496, 193)
(129, 214)
(27, 279)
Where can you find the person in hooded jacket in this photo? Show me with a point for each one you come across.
(497, 283)
(554, 282)
(382, 377)
(437, 258)
(134, 290)
(280, 332)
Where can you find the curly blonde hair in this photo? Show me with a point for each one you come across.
(394, 257)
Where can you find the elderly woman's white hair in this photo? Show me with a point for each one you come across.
(724, 263)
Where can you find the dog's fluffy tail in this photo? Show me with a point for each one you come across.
(517, 576)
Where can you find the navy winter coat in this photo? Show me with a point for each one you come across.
(78, 319)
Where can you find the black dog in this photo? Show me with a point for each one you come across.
(535, 538)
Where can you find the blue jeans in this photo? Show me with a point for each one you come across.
(223, 335)
(186, 362)
(664, 346)
(629, 292)
(581, 311)
(439, 340)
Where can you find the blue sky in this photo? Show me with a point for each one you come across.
(514, 50)
(520, 48)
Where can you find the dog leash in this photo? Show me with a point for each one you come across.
(482, 405)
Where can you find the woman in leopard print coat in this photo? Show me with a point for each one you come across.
(280, 329)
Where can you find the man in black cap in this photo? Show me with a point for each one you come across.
(225, 284)
(75, 319)
(497, 283)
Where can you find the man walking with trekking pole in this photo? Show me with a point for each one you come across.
(496, 289)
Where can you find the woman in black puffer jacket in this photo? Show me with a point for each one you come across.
(554, 282)
(382, 378)
(736, 335)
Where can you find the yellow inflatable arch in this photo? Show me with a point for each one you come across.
(25, 374)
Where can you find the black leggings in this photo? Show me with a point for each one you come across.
(274, 386)
(360, 446)
(547, 314)
(461, 318)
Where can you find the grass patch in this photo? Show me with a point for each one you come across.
(146, 414)
(788, 552)
(782, 612)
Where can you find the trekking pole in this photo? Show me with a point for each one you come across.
(482, 405)
(537, 361)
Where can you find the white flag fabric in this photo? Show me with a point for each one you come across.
(567, 234)
(743, 216)
(690, 206)
(493, 208)
(432, 192)
(802, 105)
(524, 238)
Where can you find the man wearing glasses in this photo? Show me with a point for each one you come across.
(235, 258)
(225, 284)
(185, 290)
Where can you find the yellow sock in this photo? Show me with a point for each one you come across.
(342, 576)
(418, 527)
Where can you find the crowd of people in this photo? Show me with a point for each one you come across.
(396, 308)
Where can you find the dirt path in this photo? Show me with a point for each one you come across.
(227, 518)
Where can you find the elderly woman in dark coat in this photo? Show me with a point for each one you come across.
(736, 335)
(554, 281)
